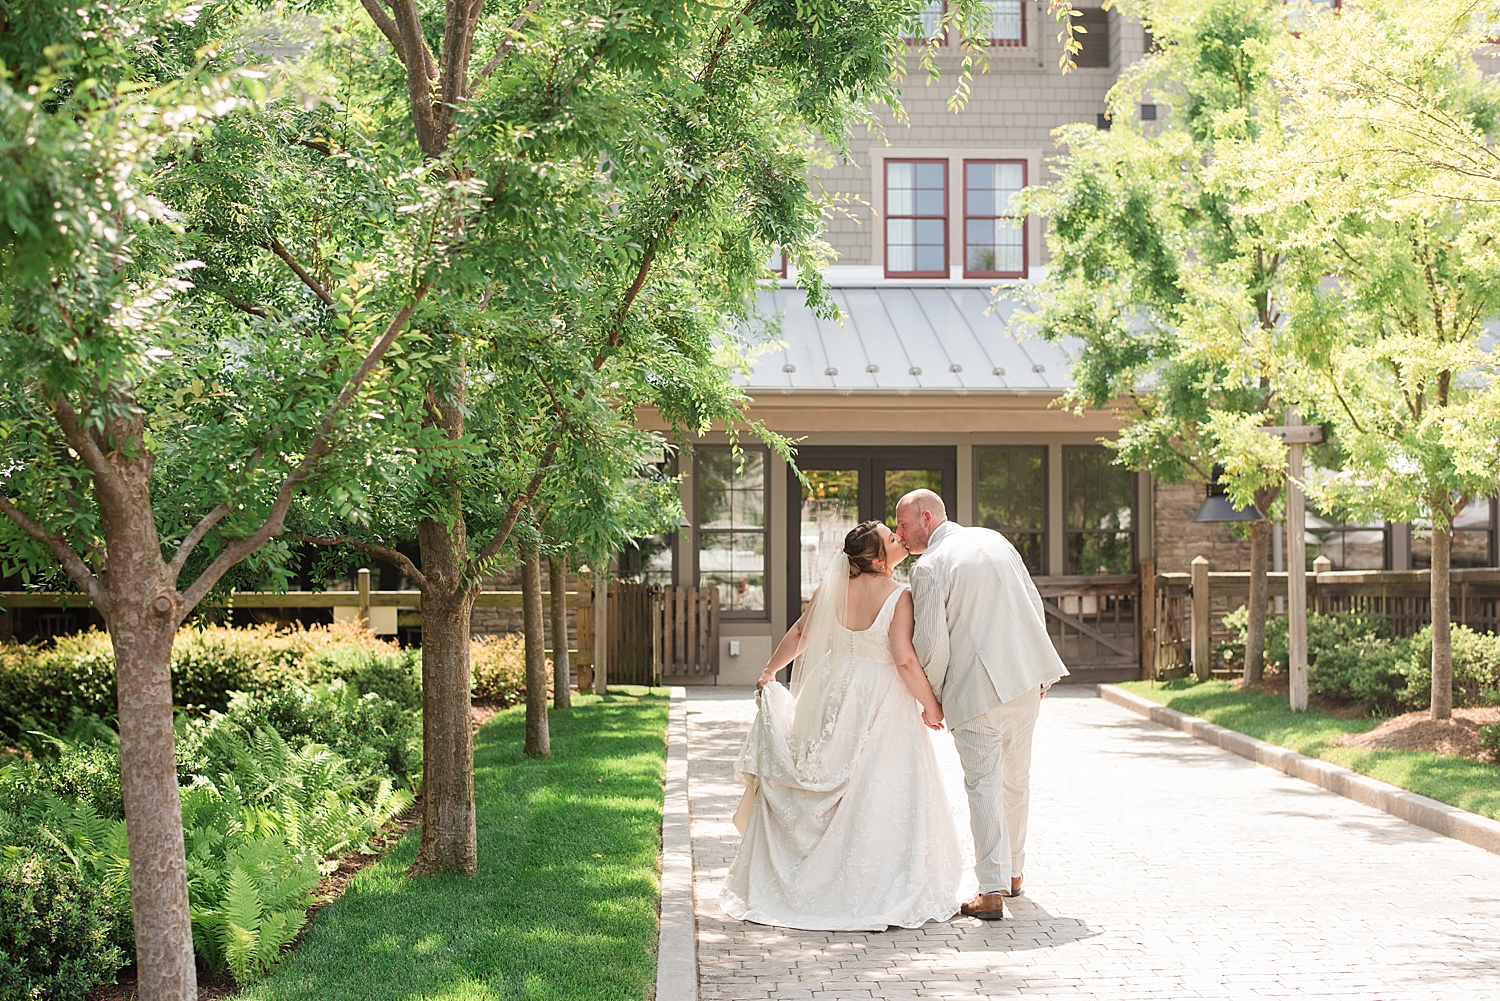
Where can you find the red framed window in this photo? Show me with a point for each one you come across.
(916, 218)
(994, 236)
(1007, 23)
(776, 263)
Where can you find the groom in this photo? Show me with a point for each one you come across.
(982, 638)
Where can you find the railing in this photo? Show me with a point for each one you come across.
(361, 603)
(1190, 608)
(1095, 624)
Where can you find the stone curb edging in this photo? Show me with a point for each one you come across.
(1447, 820)
(677, 939)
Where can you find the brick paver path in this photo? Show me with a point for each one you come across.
(1158, 867)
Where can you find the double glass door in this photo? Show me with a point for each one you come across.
(846, 486)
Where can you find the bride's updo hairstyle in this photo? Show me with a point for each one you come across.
(863, 545)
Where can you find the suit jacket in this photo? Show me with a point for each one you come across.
(981, 633)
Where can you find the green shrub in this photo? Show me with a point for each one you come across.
(1489, 739)
(497, 665)
(375, 735)
(55, 929)
(1476, 667)
(83, 773)
(45, 687)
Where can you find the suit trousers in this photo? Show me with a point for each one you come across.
(995, 750)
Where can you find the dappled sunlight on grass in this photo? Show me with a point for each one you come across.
(1461, 782)
(564, 905)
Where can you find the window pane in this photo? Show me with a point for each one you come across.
(994, 245)
(1099, 553)
(980, 179)
(900, 244)
(1005, 20)
(929, 176)
(1476, 515)
(734, 562)
(715, 470)
(830, 508)
(1011, 488)
(904, 481)
(1030, 546)
(1098, 494)
(900, 188)
(1469, 549)
(929, 258)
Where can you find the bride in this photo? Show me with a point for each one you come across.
(845, 823)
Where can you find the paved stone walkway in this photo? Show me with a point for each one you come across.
(1157, 867)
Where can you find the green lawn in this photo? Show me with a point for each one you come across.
(565, 902)
(1461, 782)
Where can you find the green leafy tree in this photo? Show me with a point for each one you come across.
(1168, 286)
(636, 165)
(152, 435)
(1393, 269)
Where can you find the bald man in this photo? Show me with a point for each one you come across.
(982, 638)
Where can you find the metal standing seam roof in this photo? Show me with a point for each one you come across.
(898, 339)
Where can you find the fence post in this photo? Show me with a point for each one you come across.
(1321, 565)
(1202, 655)
(601, 629)
(364, 596)
(1146, 615)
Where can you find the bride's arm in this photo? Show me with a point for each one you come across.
(790, 648)
(907, 664)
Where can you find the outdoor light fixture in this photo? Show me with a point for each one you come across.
(1218, 507)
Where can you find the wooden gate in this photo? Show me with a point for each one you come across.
(632, 648)
(689, 632)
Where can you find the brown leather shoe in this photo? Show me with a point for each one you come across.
(985, 907)
(1015, 885)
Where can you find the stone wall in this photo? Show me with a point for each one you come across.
(1179, 539)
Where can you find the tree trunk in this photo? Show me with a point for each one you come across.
(1255, 629)
(142, 642)
(142, 611)
(561, 698)
(1442, 631)
(538, 740)
(449, 838)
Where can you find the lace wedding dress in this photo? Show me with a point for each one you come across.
(848, 826)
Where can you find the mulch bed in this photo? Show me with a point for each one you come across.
(1418, 731)
(1414, 731)
(1280, 685)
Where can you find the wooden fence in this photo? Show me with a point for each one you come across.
(1189, 606)
(360, 603)
(690, 632)
(1095, 624)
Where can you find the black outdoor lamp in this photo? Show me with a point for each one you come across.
(1218, 507)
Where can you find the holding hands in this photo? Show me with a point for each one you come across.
(932, 716)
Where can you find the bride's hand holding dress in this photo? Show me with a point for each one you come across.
(846, 824)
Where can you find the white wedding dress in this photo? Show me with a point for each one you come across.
(849, 828)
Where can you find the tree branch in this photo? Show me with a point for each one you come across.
(321, 446)
(510, 40)
(276, 248)
(81, 441)
(387, 26)
(244, 306)
(65, 554)
(519, 504)
(397, 559)
(191, 540)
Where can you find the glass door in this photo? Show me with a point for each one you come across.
(846, 486)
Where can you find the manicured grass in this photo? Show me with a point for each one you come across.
(565, 901)
(1461, 782)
